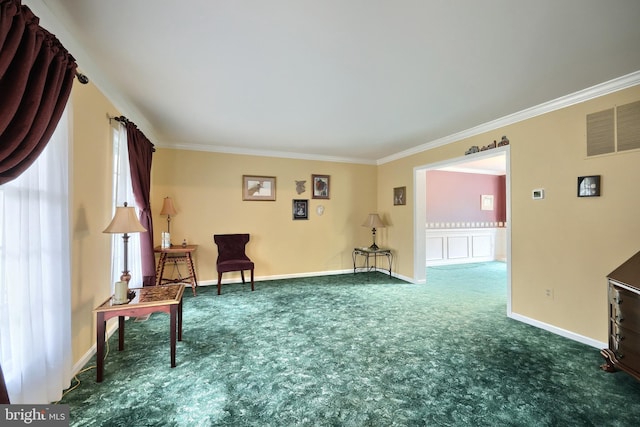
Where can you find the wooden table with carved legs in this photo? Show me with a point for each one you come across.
(176, 254)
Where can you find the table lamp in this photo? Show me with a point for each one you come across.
(168, 209)
(373, 221)
(125, 221)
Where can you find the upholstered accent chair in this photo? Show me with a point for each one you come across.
(232, 256)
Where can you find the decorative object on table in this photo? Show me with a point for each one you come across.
(120, 294)
(167, 209)
(232, 256)
(300, 209)
(320, 186)
(399, 196)
(258, 187)
(125, 221)
(373, 221)
(589, 186)
(300, 188)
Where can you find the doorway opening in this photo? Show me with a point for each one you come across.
(494, 158)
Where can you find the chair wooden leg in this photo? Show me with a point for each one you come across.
(242, 275)
(252, 280)
(219, 283)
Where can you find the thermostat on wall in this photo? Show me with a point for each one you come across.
(538, 193)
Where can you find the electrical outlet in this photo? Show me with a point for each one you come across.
(548, 293)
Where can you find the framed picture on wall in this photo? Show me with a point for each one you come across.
(300, 209)
(320, 186)
(589, 186)
(399, 196)
(486, 202)
(258, 187)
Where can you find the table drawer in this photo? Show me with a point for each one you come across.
(625, 309)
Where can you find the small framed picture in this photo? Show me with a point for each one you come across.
(320, 186)
(258, 187)
(300, 209)
(589, 186)
(399, 196)
(486, 202)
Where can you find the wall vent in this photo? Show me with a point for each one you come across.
(628, 126)
(600, 133)
(614, 130)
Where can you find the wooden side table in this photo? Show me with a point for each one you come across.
(147, 300)
(176, 254)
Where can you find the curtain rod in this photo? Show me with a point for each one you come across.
(82, 78)
(121, 119)
(124, 120)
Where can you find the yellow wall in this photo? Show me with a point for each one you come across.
(207, 191)
(564, 243)
(91, 212)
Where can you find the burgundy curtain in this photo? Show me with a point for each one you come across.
(36, 76)
(140, 153)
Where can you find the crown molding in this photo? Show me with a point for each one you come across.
(596, 91)
(262, 153)
(54, 20)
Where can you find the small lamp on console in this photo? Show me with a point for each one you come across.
(168, 209)
(373, 221)
(125, 221)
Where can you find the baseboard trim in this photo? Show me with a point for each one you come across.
(112, 327)
(296, 276)
(559, 331)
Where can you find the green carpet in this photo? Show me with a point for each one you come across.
(354, 350)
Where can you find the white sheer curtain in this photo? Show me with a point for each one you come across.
(123, 192)
(35, 278)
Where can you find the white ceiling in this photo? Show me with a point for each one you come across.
(358, 80)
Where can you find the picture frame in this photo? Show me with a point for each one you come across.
(589, 186)
(486, 202)
(300, 209)
(256, 187)
(399, 196)
(321, 186)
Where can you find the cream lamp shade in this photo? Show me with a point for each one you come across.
(125, 221)
(168, 209)
(373, 221)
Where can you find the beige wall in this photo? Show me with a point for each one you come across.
(91, 212)
(564, 243)
(207, 192)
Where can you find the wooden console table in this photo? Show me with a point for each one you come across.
(176, 254)
(375, 253)
(147, 300)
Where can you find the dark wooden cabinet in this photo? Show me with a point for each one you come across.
(624, 319)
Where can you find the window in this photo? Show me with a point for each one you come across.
(123, 192)
(35, 276)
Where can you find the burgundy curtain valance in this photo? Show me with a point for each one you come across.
(36, 76)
